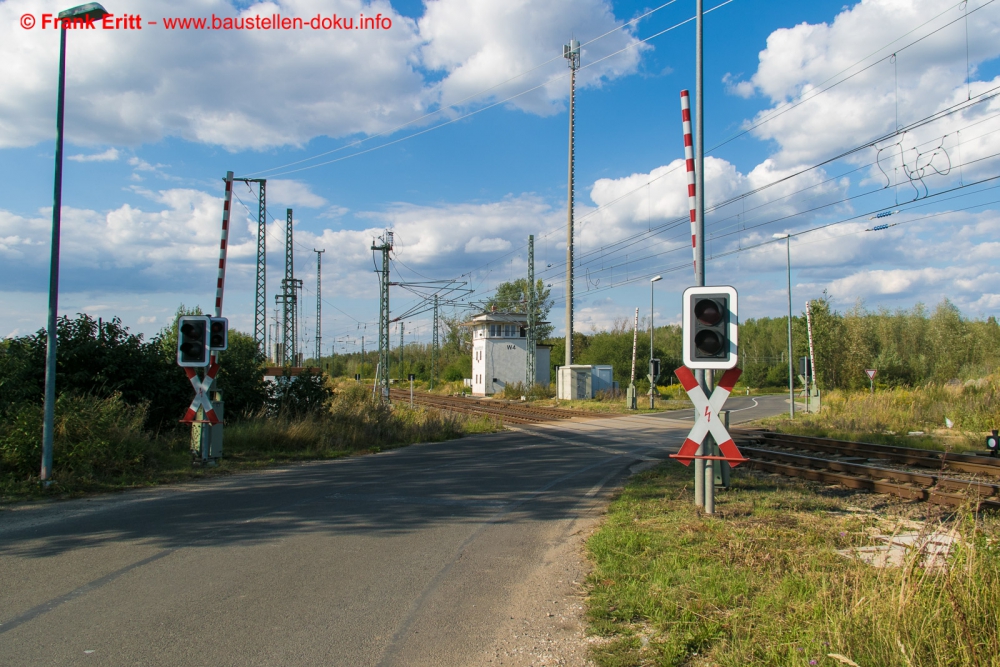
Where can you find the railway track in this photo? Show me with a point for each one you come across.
(513, 412)
(899, 471)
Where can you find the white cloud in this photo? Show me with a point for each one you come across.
(477, 244)
(479, 44)
(919, 80)
(128, 248)
(207, 86)
(109, 155)
(292, 193)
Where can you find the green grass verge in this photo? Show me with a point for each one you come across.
(888, 415)
(761, 583)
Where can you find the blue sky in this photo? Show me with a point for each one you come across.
(155, 118)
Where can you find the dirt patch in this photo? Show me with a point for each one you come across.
(545, 621)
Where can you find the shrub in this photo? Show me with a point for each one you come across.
(93, 438)
(297, 396)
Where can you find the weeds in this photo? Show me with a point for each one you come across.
(100, 443)
(763, 583)
(889, 414)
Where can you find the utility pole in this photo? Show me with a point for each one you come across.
(704, 476)
(401, 349)
(434, 343)
(530, 374)
(571, 52)
(383, 321)
(319, 305)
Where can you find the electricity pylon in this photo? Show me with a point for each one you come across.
(530, 373)
(319, 304)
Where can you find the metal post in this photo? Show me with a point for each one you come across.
(708, 446)
(530, 374)
(699, 241)
(48, 423)
(571, 52)
(411, 390)
(319, 304)
(288, 294)
(724, 466)
(260, 302)
(382, 370)
(631, 385)
(434, 343)
(812, 358)
(791, 376)
(652, 380)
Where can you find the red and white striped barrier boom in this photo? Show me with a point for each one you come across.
(223, 249)
(223, 245)
(689, 163)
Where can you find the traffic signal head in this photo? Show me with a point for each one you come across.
(654, 368)
(219, 333)
(710, 327)
(192, 340)
(993, 443)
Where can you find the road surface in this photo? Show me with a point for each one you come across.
(417, 556)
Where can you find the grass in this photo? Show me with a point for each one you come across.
(889, 414)
(761, 583)
(100, 444)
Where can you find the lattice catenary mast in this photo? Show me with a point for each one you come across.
(571, 52)
(319, 305)
(530, 374)
(434, 343)
(383, 320)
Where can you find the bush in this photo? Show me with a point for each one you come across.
(102, 359)
(93, 438)
(298, 396)
(350, 422)
(513, 391)
(455, 372)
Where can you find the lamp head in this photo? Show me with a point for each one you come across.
(92, 10)
(780, 236)
(653, 280)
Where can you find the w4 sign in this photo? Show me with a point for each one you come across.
(707, 421)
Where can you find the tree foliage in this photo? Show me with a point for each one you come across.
(103, 359)
(512, 297)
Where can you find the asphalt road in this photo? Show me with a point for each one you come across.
(406, 557)
(743, 409)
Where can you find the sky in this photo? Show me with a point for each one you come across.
(448, 124)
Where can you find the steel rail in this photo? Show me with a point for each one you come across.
(925, 458)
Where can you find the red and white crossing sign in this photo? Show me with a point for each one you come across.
(871, 373)
(707, 409)
(201, 399)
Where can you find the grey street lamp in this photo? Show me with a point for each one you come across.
(791, 377)
(89, 11)
(652, 380)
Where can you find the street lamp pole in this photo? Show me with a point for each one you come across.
(791, 376)
(652, 380)
(93, 11)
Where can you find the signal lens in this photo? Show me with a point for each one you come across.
(708, 342)
(708, 312)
